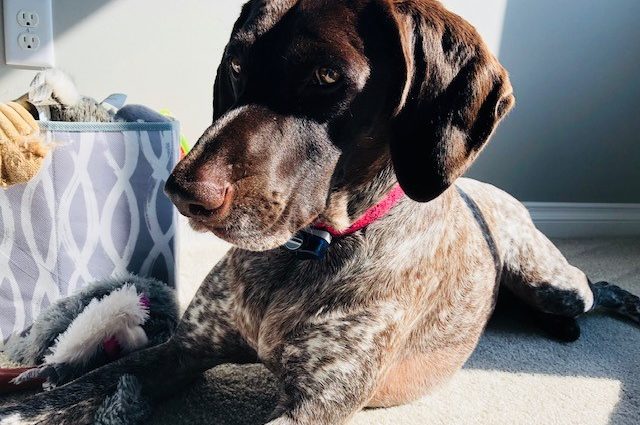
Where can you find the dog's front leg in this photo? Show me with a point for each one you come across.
(332, 367)
(205, 337)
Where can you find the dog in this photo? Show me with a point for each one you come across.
(354, 119)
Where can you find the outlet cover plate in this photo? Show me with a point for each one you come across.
(15, 29)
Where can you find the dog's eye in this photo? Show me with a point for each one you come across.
(236, 67)
(327, 76)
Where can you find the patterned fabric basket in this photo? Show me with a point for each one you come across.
(96, 209)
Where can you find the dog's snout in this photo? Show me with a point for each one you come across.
(206, 198)
(198, 198)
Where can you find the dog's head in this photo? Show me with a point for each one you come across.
(319, 106)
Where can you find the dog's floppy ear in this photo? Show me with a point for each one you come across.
(455, 93)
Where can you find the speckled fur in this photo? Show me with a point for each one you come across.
(388, 315)
(392, 311)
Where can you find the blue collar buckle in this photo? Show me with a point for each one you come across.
(309, 244)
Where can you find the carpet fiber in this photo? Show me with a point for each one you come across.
(515, 376)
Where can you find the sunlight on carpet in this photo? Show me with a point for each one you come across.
(480, 395)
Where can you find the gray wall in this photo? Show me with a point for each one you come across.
(574, 135)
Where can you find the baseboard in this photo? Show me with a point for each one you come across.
(562, 220)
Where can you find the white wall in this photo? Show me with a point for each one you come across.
(486, 15)
(162, 53)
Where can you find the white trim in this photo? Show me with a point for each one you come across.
(563, 219)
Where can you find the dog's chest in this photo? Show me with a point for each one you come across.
(444, 289)
(274, 292)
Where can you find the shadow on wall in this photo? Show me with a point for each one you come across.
(573, 136)
(63, 22)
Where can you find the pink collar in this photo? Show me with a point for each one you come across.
(374, 213)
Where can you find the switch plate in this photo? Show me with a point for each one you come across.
(28, 33)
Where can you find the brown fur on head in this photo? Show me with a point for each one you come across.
(417, 93)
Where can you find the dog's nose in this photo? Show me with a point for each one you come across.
(199, 198)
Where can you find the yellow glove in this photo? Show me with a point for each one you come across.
(21, 145)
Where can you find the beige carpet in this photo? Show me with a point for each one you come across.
(516, 375)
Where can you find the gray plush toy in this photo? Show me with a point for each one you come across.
(54, 94)
(127, 406)
(102, 322)
(99, 324)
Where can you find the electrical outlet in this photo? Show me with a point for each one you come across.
(28, 41)
(28, 33)
(28, 19)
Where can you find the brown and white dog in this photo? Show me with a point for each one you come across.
(321, 107)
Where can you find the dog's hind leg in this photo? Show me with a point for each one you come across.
(538, 273)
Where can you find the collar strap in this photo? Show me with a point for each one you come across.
(313, 242)
(374, 213)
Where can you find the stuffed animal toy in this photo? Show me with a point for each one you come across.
(127, 406)
(22, 149)
(53, 96)
(56, 98)
(97, 325)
